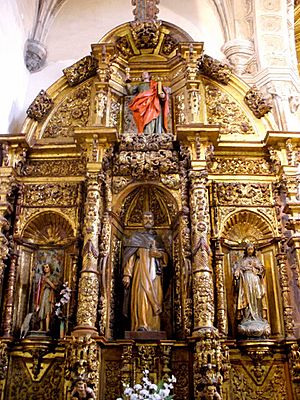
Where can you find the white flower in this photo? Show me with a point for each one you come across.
(153, 386)
(137, 386)
(128, 391)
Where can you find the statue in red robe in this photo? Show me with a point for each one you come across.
(150, 106)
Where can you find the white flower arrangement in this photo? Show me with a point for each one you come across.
(149, 390)
(64, 298)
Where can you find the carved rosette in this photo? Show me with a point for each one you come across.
(215, 69)
(81, 70)
(257, 103)
(286, 296)
(40, 107)
(203, 291)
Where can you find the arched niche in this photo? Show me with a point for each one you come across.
(238, 229)
(47, 238)
(128, 210)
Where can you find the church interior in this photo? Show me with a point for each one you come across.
(150, 199)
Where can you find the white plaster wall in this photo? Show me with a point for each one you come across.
(15, 22)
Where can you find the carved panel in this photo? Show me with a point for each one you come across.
(71, 113)
(244, 194)
(235, 165)
(272, 387)
(223, 110)
(21, 387)
(113, 388)
(51, 194)
(55, 168)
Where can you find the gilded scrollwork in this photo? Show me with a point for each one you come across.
(81, 70)
(55, 168)
(223, 110)
(169, 44)
(119, 183)
(171, 181)
(73, 112)
(215, 69)
(244, 194)
(50, 195)
(146, 34)
(273, 386)
(22, 387)
(236, 165)
(257, 103)
(40, 107)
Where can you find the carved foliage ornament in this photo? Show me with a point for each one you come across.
(81, 70)
(244, 194)
(223, 110)
(145, 34)
(257, 104)
(87, 299)
(55, 168)
(237, 165)
(40, 107)
(215, 69)
(51, 194)
(73, 112)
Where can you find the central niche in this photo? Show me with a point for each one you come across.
(145, 198)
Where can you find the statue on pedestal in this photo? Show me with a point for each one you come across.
(144, 258)
(82, 392)
(45, 297)
(150, 106)
(248, 274)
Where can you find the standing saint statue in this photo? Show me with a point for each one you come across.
(150, 106)
(248, 273)
(144, 257)
(45, 297)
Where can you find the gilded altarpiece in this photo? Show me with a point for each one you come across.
(76, 185)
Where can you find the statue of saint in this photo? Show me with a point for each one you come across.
(248, 273)
(82, 391)
(150, 106)
(144, 257)
(45, 297)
